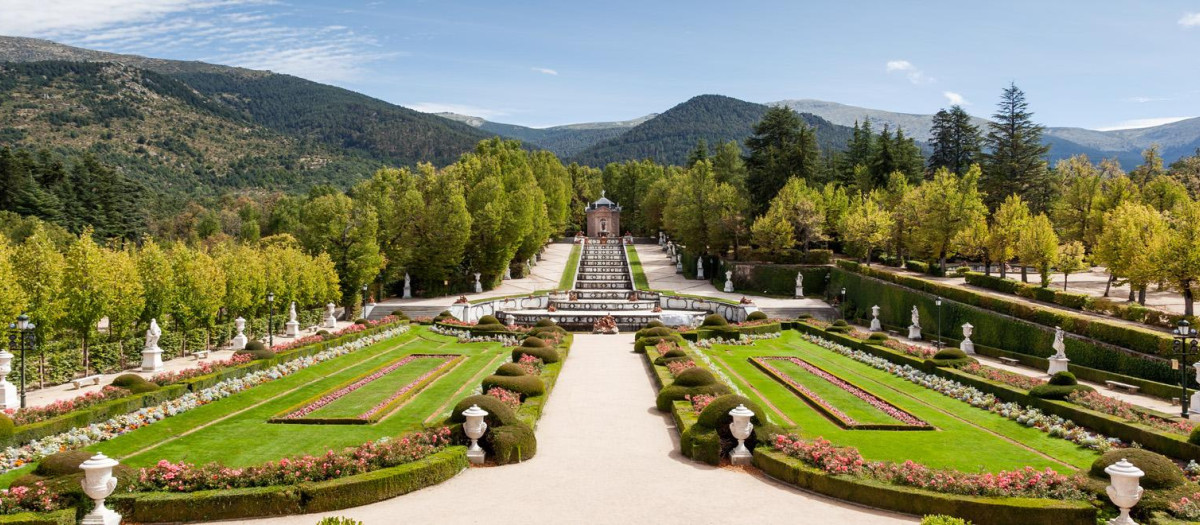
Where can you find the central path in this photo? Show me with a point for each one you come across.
(605, 455)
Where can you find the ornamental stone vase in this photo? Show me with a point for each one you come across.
(239, 341)
(876, 326)
(8, 391)
(967, 346)
(1125, 490)
(474, 427)
(741, 427)
(478, 285)
(98, 483)
(330, 319)
(728, 281)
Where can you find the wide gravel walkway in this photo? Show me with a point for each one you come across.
(605, 455)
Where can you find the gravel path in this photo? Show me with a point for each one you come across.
(605, 455)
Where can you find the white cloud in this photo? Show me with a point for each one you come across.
(234, 32)
(461, 109)
(1143, 100)
(914, 75)
(1190, 20)
(955, 99)
(1142, 123)
(545, 71)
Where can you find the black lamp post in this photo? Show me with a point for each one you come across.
(827, 285)
(938, 302)
(271, 319)
(1186, 345)
(843, 302)
(364, 300)
(21, 336)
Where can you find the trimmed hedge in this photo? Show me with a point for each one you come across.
(57, 517)
(1013, 325)
(510, 369)
(1078, 301)
(546, 354)
(640, 345)
(773, 279)
(673, 393)
(1161, 471)
(350, 491)
(908, 500)
(526, 386)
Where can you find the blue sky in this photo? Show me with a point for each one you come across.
(1094, 64)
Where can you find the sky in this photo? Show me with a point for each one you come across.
(1096, 64)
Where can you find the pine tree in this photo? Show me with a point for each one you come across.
(782, 147)
(699, 153)
(955, 141)
(1014, 162)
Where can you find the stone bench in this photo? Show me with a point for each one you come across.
(80, 382)
(1009, 361)
(1123, 386)
(200, 354)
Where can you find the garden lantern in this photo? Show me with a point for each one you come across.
(271, 319)
(1185, 346)
(1125, 491)
(99, 483)
(741, 428)
(21, 335)
(938, 302)
(474, 427)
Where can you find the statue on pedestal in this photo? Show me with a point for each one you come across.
(728, 281)
(152, 354)
(330, 319)
(914, 330)
(293, 325)
(239, 341)
(407, 287)
(876, 326)
(1058, 361)
(478, 285)
(799, 285)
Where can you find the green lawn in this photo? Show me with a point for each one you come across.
(234, 431)
(851, 405)
(568, 277)
(966, 439)
(363, 399)
(639, 276)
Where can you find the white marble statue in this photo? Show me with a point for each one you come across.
(152, 354)
(293, 325)
(330, 318)
(967, 346)
(478, 285)
(799, 285)
(876, 326)
(239, 341)
(728, 281)
(407, 287)
(700, 267)
(1058, 361)
(679, 266)
(914, 330)
(507, 273)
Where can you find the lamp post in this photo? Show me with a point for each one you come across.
(21, 336)
(938, 302)
(1186, 345)
(843, 302)
(271, 319)
(364, 300)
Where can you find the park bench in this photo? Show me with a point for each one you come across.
(1009, 360)
(1123, 386)
(80, 382)
(201, 354)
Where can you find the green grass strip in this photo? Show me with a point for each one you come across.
(567, 281)
(639, 275)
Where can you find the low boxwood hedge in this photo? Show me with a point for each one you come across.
(980, 510)
(280, 500)
(546, 354)
(526, 386)
(57, 517)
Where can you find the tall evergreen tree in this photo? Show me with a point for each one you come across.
(956, 141)
(1015, 159)
(782, 147)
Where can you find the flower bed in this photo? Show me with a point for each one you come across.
(743, 339)
(1054, 425)
(372, 455)
(79, 437)
(28, 415)
(296, 414)
(531, 365)
(699, 401)
(203, 369)
(907, 420)
(506, 396)
(1012, 379)
(675, 367)
(1027, 482)
(25, 499)
(464, 336)
(1115, 407)
(913, 350)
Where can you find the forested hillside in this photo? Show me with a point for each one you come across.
(671, 136)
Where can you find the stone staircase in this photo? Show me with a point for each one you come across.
(603, 267)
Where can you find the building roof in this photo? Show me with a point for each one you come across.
(603, 202)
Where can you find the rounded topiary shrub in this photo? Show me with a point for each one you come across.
(443, 315)
(757, 315)
(877, 337)
(323, 333)
(1063, 379)
(256, 350)
(128, 380)
(512, 443)
(1161, 471)
(674, 353)
(841, 322)
(714, 320)
(142, 388)
(950, 357)
(499, 414)
(1194, 437)
(659, 331)
(676, 392)
(62, 463)
(547, 355)
(545, 322)
(360, 321)
(6, 427)
(488, 320)
(695, 377)
(510, 369)
(655, 324)
(716, 414)
(1059, 392)
(639, 346)
(525, 385)
(533, 342)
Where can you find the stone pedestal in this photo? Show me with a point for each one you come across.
(238, 342)
(1194, 407)
(967, 346)
(293, 328)
(8, 396)
(476, 457)
(679, 266)
(478, 285)
(738, 459)
(367, 310)
(152, 359)
(728, 281)
(700, 268)
(914, 333)
(1058, 364)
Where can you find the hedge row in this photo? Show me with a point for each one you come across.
(1168, 444)
(909, 500)
(58, 517)
(1129, 312)
(772, 279)
(279, 500)
(105, 411)
(1014, 325)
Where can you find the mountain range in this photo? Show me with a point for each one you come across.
(198, 127)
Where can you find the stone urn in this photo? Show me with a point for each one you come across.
(98, 483)
(741, 427)
(728, 281)
(474, 427)
(1125, 490)
(967, 346)
(239, 341)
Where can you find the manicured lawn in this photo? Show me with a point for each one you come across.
(966, 439)
(371, 394)
(639, 276)
(568, 277)
(234, 431)
(838, 397)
